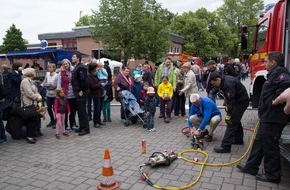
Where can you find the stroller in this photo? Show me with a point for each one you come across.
(132, 109)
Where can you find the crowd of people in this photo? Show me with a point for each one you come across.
(76, 86)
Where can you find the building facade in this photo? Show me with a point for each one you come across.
(80, 39)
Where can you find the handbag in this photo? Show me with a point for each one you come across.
(28, 112)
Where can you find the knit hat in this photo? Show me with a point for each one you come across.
(150, 90)
(138, 78)
(237, 60)
(194, 97)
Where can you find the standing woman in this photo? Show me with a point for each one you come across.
(64, 81)
(122, 82)
(30, 96)
(96, 90)
(50, 83)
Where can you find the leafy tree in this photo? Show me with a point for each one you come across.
(85, 21)
(135, 28)
(235, 13)
(204, 33)
(13, 40)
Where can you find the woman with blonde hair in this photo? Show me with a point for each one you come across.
(30, 96)
(65, 81)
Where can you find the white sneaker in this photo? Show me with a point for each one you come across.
(153, 129)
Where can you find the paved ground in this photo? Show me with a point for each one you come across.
(76, 162)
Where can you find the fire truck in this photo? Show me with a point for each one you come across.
(271, 34)
(185, 58)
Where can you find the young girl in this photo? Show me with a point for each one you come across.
(165, 92)
(61, 106)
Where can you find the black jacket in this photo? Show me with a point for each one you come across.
(234, 92)
(278, 79)
(80, 78)
(150, 104)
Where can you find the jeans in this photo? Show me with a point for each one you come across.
(150, 120)
(97, 110)
(199, 85)
(49, 103)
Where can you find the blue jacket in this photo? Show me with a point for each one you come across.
(207, 110)
(136, 90)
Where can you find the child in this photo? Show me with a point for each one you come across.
(61, 106)
(150, 109)
(102, 75)
(144, 92)
(137, 88)
(165, 92)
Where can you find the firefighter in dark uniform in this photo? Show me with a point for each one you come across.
(237, 101)
(272, 121)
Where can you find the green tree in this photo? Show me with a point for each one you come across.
(235, 13)
(204, 33)
(135, 28)
(13, 40)
(84, 21)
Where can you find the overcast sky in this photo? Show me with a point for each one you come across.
(35, 17)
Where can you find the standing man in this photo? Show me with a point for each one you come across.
(203, 112)
(210, 89)
(165, 69)
(197, 71)
(237, 101)
(272, 122)
(80, 87)
(189, 81)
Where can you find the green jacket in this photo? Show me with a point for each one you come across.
(171, 76)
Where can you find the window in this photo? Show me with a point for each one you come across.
(69, 44)
(176, 50)
(261, 34)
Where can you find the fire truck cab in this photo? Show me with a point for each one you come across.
(272, 34)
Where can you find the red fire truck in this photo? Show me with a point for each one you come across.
(184, 58)
(272, 34)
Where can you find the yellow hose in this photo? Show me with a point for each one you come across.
(205, 163)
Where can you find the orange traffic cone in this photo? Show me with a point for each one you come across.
(108, 182)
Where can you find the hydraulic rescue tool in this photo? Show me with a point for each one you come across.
(197, 143)
(159, 158)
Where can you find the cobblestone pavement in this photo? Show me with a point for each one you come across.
(76, 162)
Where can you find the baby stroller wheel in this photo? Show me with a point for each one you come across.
(127, 123)
(134, 121)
